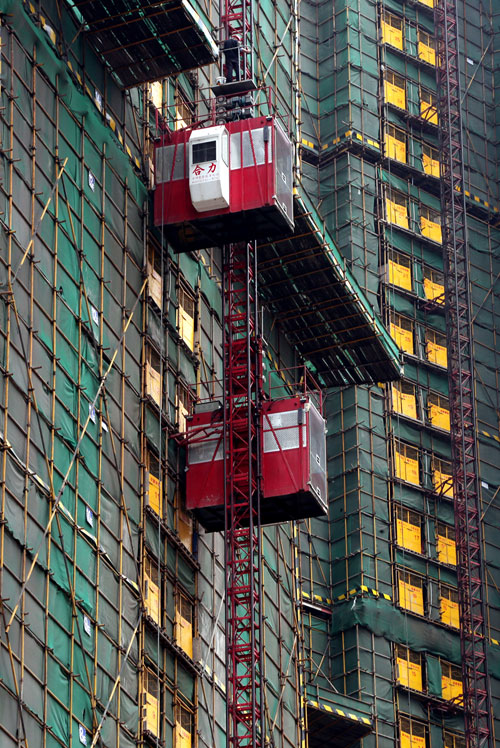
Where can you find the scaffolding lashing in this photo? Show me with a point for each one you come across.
(473, 629)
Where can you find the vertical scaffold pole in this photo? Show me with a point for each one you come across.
(473, 629)
(242, 402)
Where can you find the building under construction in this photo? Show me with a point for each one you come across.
(225, 227)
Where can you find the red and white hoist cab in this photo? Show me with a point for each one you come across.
(222, 184)
(294, 483)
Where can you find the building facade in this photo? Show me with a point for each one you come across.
(112, 625)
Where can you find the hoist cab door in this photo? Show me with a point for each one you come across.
(209, 168)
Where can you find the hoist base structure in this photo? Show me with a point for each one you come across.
(253, 157)
(294, 484)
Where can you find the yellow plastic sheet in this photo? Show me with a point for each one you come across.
(392, 35)
(151, 713)
(185, 529)
(442, 483)
(153, 600)
(411, 597)
(153, 384)
(433, 290)
(155, 288)
(431, 230)
(446, 550)
(437, 354)
(409, 536)
(409, 674)
(183, 631)
(404, 402)
(426, 53)
(186, 328)
(182, 737)
(395, 95)
(439, 416)
(396, 213)
(431, 165)
(400, 275)
(407, 469)
(155, 494)
(395, 148)
(449, 612)
(412, 741)
(452, 689)
(428, 112)
(403, 338)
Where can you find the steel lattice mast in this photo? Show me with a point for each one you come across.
(242, 398)
(473, 629)
(237, 20)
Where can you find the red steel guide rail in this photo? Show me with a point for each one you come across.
(473, 628)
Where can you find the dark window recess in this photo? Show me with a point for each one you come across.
(204, 152)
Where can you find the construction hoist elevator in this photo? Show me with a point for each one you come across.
(251, 460)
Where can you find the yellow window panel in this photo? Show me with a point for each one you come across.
(436, 354)
(433, 290)
(426, 53)
(407, 468)
(412, 741)
(395, 95)
(186, 328)
(429, 3)
(155, 286)
(182, 737)
(428, 112)
(156, 93)
(185, 529)
(182, 406)
(151, 714)
(431, 165)
(439, 416)
(153, 384)
(449, 612)
(395, 148)
(396, 213)
(442, 483)
(184, 626)
(446, 550)
(155, 494)
(431, 229)
(403, 338)
(409, 674)
(411, 597)
(452, 689)
(404, 402)
(152, 599)
(392, 35)
(409, 536)
(399, 275)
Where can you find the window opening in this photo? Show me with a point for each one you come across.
(408, 529)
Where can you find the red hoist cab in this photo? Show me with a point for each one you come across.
(294, 484)
(223, 184)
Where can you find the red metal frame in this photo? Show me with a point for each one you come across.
(473, 628)
(242, 402)
(237, 21)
